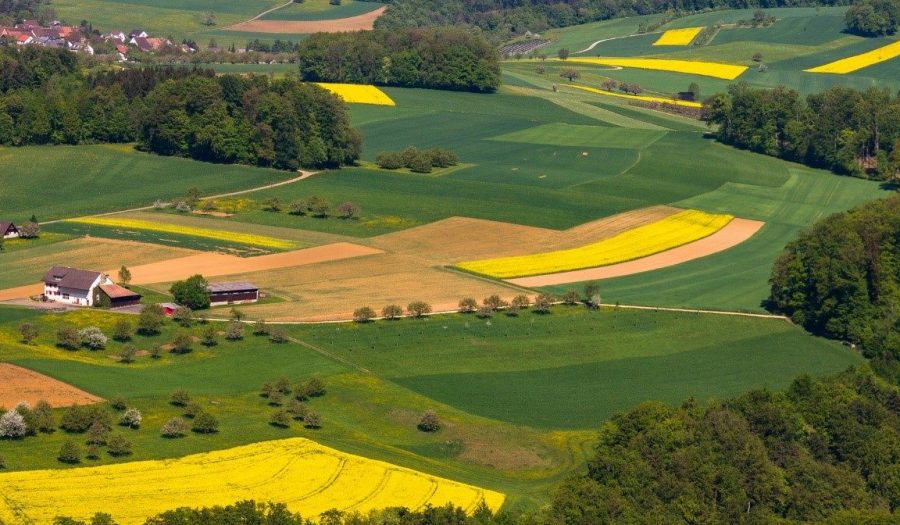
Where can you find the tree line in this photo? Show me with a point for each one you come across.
(14, 10)
(446, 58)
(841, 279)
(848, 131)
(283, 124)
(873, 17)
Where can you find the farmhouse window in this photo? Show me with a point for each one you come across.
(65, 296)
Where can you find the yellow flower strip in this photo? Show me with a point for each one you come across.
(678, 37)
(308, 477)
(851, 64)
(645, 98)
(691, 67)
(359, 94)
(671, 232)
(161, 227)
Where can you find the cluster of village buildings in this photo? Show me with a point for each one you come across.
(73, 38)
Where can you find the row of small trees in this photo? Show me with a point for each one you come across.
(315, 206)
(417, 160)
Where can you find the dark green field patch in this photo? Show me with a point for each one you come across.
(562, 134)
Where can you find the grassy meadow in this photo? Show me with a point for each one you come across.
(520, 398)
(322, 10)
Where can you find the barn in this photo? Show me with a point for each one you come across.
(239, 292)
(115, 296)
(8, 230)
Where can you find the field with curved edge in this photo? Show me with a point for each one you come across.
(856, 62)
(690, 67)
(308, 477)
(359, 94)
(668, 233)
(678, 37)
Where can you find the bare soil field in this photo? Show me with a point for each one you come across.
(19, 384)
(363, 22)
(736, 232)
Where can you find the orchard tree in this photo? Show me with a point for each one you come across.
(205, 423)
(467, 305)
(150, 320)
(234, 331)
(67, 337)
(29, 332)
(542, 303)
(349, 210)
(563, 53)
(131, 418)
(363, 314)
(429, 422)
(174, 428)
(183, 316)
(122, 330)
(392, 312)
(418, 309)
(118, 445)
(69, 453)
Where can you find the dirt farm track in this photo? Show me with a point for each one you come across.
(362, 22)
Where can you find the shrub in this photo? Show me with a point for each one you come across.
(182, 344)
(67, 337)
(127, 354)
(156, 352)
(420, 163)
(150, 320)
(122, 330)
(183, 316)
(363, 315)
(93, 338)
(237, 314)
(296, 409)
(92, 452)
(69, 453)
(494, 302)
(79, 419)
(312, 420)
(192, 409)
(235, 330)
(119, 445)
(484, 312)
(392, 312)
(174, 428)
(260, 327)
(298, 207)
(209, 337)
(192, 292)
(442, 158)
(418, 308)
(315, 387)
(468, 305)
(301, 392)
(131, 418)
(267, 389)
(278, 336)
(570, 298)
(318, 206)
(29, 332)
(283, 385)
(180, 398)
(349, 210)
(272, 204)
(118, 403)
(275, 398)
(542, 303)
(42, 416)
(280, 418)
(205, 423)
(389, 160)
(12, 425)
(97, 434)
(429, 422)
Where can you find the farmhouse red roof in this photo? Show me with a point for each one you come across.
(115, 291)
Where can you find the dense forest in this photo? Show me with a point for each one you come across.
(284, 124)
(874, 17)
(848, 131)
(13, 10)
(451, 59)
(504, 18)
(842, 279)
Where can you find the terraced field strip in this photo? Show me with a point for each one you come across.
(733, 234)
(690, 67)
(856, 62)
(643, 98)
(678, 37)
(205, 233)
(359, 94)
(679, 229)
(19, 384)
(364, 22)
(308, 477)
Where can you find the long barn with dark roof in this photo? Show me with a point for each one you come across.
(239, 292)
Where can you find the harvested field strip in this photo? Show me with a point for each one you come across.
(205, 233)
(19, 384)
(215, 264)
(682, 228)
(295, 471)
(690, 67)
(359, 94)
(362, 22)
(851, 64)
(736, 232)
(644, 98)
(678, 37)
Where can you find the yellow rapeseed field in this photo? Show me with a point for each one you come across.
(692, 67)
(671, 232)
(206, 233)
(308, 477)
(646, 98)
(359, 94)
(678, 37)
(851, 64)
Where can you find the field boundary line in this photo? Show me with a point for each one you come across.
(598, 42)
(303, 175)
(264, 13)
(702, 311)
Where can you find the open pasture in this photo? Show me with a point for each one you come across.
(307, 476)
(321, 10)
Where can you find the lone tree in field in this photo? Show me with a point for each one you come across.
(12, 425)
(468, 305)
(278, 335)
(297, 207)
(29, 332)
(318, 206)
(93, 338)
(429, 422)
(42, 417)
(69, 453)
(392, 312)
(570, 74)
(192, 292)
(124, 275)
(563, 53)
(418, 309)
(150, 320)
(127, 354)
(363, 315)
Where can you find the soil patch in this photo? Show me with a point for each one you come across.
(736, 232)
(19, 384)
(362, 22)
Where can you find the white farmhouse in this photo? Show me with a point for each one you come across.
(72, 286)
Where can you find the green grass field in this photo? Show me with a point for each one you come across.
(322, 10)
(517, 428)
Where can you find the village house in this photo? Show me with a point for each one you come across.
(73, 286)
(8, 230)
(240, 292)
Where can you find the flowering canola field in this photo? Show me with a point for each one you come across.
(671, 232)
(678, 37)
(308, 477)
(359, 94)
(646, 98)
(851, 64)
(206, 233)
(691, 67)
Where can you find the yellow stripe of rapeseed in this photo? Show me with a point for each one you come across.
(359, 94)
(851, 64)
(691, 67)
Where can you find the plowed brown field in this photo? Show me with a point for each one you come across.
(19, 384)
(363, 22)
